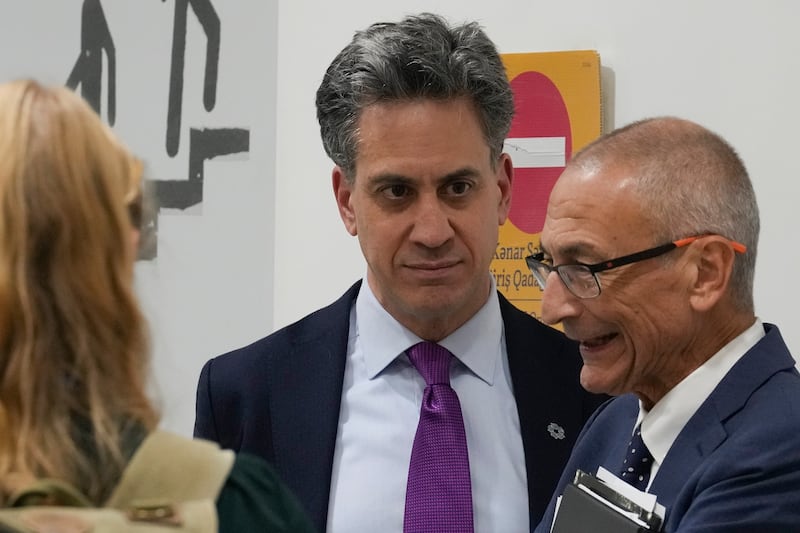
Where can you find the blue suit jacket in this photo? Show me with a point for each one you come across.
(279, 398)
(735, 467)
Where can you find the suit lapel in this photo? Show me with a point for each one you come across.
(306, 397)
(705, 431)
(550, 419)
(701, 436)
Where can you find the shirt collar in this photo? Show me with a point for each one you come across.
(476, 343)
(664, 422)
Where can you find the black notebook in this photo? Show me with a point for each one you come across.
(590, 506)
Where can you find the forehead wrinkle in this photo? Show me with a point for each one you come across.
(594, 212)
(571, 251)
(575, 236)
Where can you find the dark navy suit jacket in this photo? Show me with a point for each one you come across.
(279, 398)
(735, 467)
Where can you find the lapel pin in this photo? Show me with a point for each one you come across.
(556, 431)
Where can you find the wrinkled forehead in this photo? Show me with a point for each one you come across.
(592, 209)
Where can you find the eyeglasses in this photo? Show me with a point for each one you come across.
(581, 279)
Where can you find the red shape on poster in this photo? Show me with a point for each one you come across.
(540, 112)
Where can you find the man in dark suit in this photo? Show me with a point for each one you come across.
(709, 396)
(414, 115)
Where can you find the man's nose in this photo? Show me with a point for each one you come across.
(558, 302)
(432, 224)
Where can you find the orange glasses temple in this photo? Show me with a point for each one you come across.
(737, 246)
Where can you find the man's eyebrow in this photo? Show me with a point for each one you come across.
(392, 178)
(571, 251)
(465, 172)
(388, 178)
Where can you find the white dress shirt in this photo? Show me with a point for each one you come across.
(664, 422)
(379, 413)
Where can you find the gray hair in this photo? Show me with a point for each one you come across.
(418, 57)
(692, 182)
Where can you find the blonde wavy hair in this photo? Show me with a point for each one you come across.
(73, 341)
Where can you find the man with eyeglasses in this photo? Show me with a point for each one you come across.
(647, 259)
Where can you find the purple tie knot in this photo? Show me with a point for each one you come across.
(432, 362)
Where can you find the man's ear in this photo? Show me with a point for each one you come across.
(343, 191)
(714, 264)
(505, 175)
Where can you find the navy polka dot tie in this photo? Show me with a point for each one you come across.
(637, 463)
(439, 492)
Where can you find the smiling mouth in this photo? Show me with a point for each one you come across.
(596, 342)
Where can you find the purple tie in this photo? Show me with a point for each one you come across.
(439, 493)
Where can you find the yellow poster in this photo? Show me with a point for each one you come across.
(557, 99)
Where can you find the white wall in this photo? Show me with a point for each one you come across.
(209, 289)
(732, 66)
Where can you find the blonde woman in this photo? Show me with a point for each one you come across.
(73, 341)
